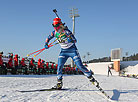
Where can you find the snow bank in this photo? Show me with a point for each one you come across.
(131, 67)
(132, 70)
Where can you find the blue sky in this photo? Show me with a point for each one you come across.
(103, 25)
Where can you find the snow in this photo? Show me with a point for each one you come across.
(132, 69)
(120, 89)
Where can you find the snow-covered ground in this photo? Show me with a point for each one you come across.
(132, 69)
(120, 89)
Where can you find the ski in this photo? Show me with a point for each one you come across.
(50, 89)
(96, 83)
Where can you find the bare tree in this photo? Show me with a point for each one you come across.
(84, 58)
(88, 53)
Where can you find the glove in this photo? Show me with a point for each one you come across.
(46, 46)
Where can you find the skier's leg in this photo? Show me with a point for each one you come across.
(110, 72)
(61, 61)
(76, 58)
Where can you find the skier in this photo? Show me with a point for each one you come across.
(68, 49)
(109, 70)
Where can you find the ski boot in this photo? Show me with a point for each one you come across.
(59, 85)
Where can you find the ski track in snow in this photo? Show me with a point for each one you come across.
(120, 89)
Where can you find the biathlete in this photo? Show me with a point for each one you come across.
(68, 49)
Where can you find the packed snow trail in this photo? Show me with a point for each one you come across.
(120, 89)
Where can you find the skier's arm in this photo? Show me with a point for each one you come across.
(48, 39)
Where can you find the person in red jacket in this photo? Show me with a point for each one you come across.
(39, 63)
(47, 65)
(1, 60)
(24, 66)
(10, 62)
(72, 70)
(39, 66)
(47, 68)
(31, 64)
(23, 62)
(54, 70)
(42, 67)
(15, 63)
(42, 64)
(1, 64)
(52, 66)
(56, 66)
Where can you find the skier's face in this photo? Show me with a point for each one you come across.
(56, 27)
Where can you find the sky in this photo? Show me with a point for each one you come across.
(103, 25)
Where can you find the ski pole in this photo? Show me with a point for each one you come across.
(35, 52)
(50, 45)
(45, 48)
(39, 52)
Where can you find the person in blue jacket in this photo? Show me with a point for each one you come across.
(68, 49)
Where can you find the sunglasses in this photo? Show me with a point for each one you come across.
(57, 25)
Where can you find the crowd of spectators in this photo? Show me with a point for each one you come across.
(12, 64)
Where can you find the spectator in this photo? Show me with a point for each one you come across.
(1, 61)
(39, 66)
(2, 68)
(42, 67)
(31, 64)
(10, 64)
(24, 66)
(109, 69)
(15, 63)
